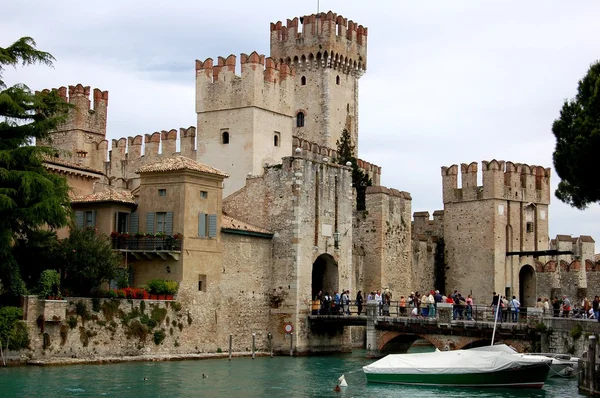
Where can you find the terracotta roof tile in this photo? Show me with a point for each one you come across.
(228, 222)
(108, 195)
(179, 163)
(67, 163)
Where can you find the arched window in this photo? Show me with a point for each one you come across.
(337, 80)
(276, 139)
(300, 119)
(225, 137)
(303, 80)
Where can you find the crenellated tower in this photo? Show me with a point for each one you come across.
(329, 53)
(245, 121)
(498, 226)
(82, 138)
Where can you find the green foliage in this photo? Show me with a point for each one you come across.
(577, 331)
(110, 308)
(142, 306)
(135, 313)
(219, 350)
(159, 336)
(49, 283)
(189, 319)
(64, 333)
(31, 198)
(137, 329)
(13, 329)
(35, 253)
(541, 327)
(171, 287)
(158, 315)
(88, 259)
(157, 286)
(146, 320)
(96, 304)
(577, 133)
(72, 322)
(360, 179)
(82, 310)
(176, 306)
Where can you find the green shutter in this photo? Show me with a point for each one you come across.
(134, 223)
(150, 223)
(212, 225)
(202, 225)
(169, 223)
(93, 218)
(79, 219)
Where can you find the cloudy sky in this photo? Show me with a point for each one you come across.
(448, 81)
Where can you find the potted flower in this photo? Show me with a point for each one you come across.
(171, 288)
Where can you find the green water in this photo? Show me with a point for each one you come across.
(242, 377)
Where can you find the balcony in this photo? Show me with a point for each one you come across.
(149, 247)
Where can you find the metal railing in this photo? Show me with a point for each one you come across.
(167, 243)
(477, 313)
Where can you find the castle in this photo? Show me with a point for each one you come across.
(269, 218)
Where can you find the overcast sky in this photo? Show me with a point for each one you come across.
(447, 82)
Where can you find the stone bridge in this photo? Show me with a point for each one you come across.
(536, 333)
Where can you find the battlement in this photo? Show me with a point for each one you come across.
(317, 152)
(501, 180)
(263, 83)
(422, 225)
(83, 116)
(327, 38)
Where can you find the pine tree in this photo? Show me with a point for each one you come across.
(31, 198)
(360, 179)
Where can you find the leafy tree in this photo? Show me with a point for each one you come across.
(31, 198)
(88, 260)
(13, 332)
(577, 133)
(39, 252)
(360, 179)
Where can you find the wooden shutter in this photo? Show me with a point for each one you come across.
(150, 223)
(134, 223)
(202, 225)
(169, 223)
(79, 219)
(212, 225)
(93, 218)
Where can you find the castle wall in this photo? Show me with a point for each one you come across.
(423, 260)
(382, 240)
(299, 205)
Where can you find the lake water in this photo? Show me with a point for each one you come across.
(242, 377)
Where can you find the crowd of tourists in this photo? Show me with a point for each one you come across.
(505, 309)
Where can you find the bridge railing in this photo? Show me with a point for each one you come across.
(444, 311)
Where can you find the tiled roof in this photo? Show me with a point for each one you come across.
(108, 195)
(66, 163)
(228, 222)
(179, 163)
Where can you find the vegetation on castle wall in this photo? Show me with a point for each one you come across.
(360, 179)
(159, 336)
(577, 135)
(439, 266)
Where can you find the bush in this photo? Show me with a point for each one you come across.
(120, 294)
(72, 322)
(159, 336)
(82, 310)
(157, 286)
(96, 304)
(171, 287)
(49, 284)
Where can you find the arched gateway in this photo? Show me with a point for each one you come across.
(527, 286)
(324, 275)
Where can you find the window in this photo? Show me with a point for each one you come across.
(89, 219)
(276, 139)
(203, 194)
(201, 283)
(122, 222)
(337, 80)
(160, 222)
(303, 80)
(225, 137)
(207, 225)
(529, 227)
(300, 119)
(162, 192)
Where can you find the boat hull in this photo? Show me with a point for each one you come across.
(530, 376)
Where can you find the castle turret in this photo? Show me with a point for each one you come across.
(244, 122)
(330, 55)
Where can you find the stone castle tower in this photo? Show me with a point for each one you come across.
(491, 230)
(307, 89)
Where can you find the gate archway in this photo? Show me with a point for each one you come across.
(527, 289)
(324, 275)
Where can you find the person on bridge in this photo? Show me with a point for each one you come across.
(469, 309)
(379, 301)
(596, 307)
(555, 307)
(495, 303)
(359, 302)
(431, 304)
(566, 306)
(515, 307)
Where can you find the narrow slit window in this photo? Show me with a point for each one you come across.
(337, 80)
(303, 80)
(300, 119)
(225, 137)
(276, 139)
